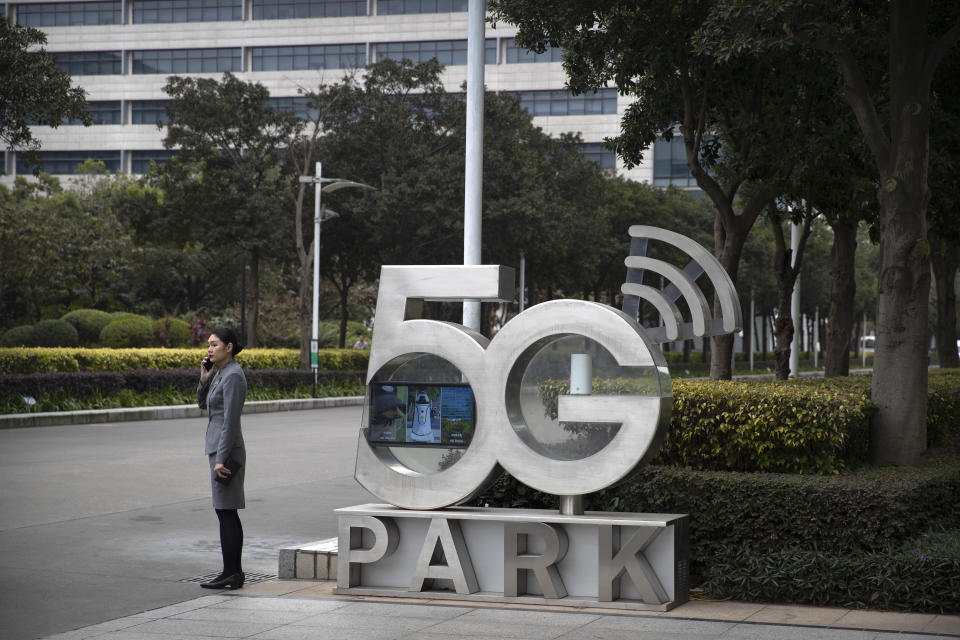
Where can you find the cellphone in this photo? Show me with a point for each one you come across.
(207, 364)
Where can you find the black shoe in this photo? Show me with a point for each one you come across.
(234, 581)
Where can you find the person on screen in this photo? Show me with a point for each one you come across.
(386, 410)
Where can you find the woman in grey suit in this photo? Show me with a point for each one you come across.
(222, 391)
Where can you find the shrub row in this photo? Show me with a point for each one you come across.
(86, 383)
(92, 327)
(902, 579)
(742, 524)
(41, 360)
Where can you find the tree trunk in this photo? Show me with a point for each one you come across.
(945, 258)
(899, 426)
(783, 328)
(304, 306)
(344, 291)
(253, 298)
(843, 287)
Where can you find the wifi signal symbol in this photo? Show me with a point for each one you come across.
(680, 283)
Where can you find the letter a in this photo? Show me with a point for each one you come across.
(459, 569)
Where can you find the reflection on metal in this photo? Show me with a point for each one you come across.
(518, 561)
(681, 283)
(615, 560)
(458, 568)
(351, 553)
(571, 505)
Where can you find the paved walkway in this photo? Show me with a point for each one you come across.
(301, 610)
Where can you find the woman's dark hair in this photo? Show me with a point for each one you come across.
(228, 335)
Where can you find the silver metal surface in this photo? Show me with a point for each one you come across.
(702, 261)
(571, 505)
(458, 568)
(493, 369)
(615, 560)
(517, 562)
(351, 554)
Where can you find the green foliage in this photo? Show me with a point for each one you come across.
(25, 361)
(171, 332)
(54, 333)
(920, 576)
(88, 323)
(943, 408)
(127, 330)
(17, 336)
(32, 88)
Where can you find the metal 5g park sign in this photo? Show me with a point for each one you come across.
(569, 397)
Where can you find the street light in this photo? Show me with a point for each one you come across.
(330, 184)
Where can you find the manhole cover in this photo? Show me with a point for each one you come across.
(250, 577)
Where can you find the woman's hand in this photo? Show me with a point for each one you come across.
(221, 470)
(205, 374)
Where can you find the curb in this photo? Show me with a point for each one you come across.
(99, 416)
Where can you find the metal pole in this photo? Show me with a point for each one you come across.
(816, 338)
(315, 333)
(795, 303)
(753, 332)
(523, 278)
(473, 192)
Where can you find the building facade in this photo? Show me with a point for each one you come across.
(122, 51)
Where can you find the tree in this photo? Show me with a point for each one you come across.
(32, 89)
(905, 40)
(736, 114)
(231, 140)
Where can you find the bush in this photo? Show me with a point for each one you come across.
(172, 332)
(54, 333)
(17, 336)
(88, 323)
(127, 330)
(23, 361)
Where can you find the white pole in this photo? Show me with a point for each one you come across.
(523, 278)
(795, 304)
(753, 332)
(816, 338)
(315, 334)
(473, 192)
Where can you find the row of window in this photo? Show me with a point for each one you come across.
(537, 103)
(291, 58)
(66, 162)
(68, 14)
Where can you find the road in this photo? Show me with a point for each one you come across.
(103, 521)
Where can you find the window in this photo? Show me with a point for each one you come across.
(447, 52)
(66, 162)
(186, 60)
(89, 63)
(287, 9)
(392, 7)
(103, 112)
(140, 160)
(596, 152)
(148, 112)
(297, 105)
(68, 14)
(670, 163)
(321, 56)
(564, 103)
(517, 54)
(162, 11)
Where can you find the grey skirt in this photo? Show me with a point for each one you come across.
(227, 495)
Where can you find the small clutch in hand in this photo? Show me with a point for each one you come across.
(232, 466)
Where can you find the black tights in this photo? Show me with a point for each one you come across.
(231, 540)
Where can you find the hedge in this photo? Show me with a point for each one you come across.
(25, 360)
(54, 333)
(87, 383)
(127, 331)
(88, 323)
(740, 521)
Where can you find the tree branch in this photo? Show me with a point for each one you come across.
(938, 50)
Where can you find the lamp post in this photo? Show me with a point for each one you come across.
(330, 184)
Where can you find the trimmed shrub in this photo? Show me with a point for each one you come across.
(88, 323)
(172, 332)
(127, 330)
(22, 360)
(54, 333)
(17, 336)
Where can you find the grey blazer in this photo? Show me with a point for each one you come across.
(223, 399)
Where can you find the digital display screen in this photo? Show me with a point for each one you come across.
(418, 414)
